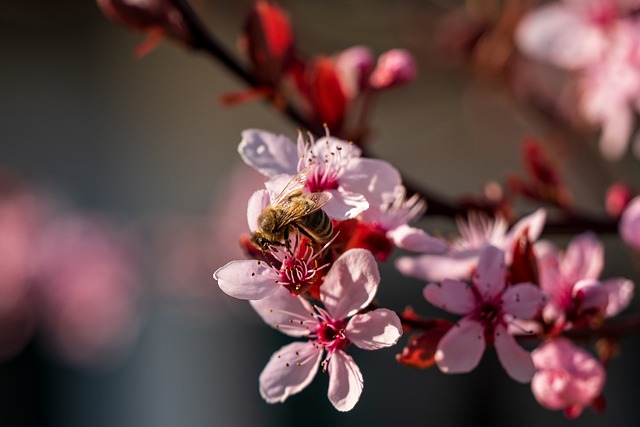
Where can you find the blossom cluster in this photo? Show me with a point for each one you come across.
(502, 281)
(596, 40)
(327, 214)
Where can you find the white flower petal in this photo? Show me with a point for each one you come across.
(375, 329)
(460, 350)
(559, 35)
(514, 359)
(289, 314)
(523, 300)
(453, 296)
(372, 178)
(345, 205)
(345, 381)
(491, 273)
(257, 202)
(247, 279)
(416, 240)
(289, 371)
(268, 153)
(350, 284)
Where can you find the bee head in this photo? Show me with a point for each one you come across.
(260, 242)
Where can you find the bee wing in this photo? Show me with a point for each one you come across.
(319, 200)
(297, 183)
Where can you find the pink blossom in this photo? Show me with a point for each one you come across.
(386, 223)
(571, 280)
(567, 377)
(295, 269)
(488, 306)
(476, 234)
(630, 224)
(349, 286)
(338, 168)
(88, 286)
(599, 39)
(395, 67)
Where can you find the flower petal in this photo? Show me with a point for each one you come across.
(559, 35)
(268, 153)
(246, 279)
(345, 381)
(460, 349)
(620, 295)
(345, 205)
(289, 371)
(437, 267)
(514, 359)
(416, 240)
(287, 313)
(630, 224)
(375, 329)
(584, 258)
(453, 296)
(532, 224)
(350, 284)
(523, 300)
(257, 202)
(372, 178)
(491, 272)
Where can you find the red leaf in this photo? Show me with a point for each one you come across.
(421, 347)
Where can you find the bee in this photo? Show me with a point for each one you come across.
(292, 210)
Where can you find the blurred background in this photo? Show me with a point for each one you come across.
(144, 147)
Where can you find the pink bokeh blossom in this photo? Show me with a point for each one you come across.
(567, 377)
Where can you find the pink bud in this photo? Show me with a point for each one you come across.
(617, 198)
(567, 377)
(158, 18)
(395, 67)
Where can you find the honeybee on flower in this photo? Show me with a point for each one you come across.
(293, 209)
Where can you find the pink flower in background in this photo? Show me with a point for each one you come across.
(600, 40)
(386, 224)
(88, 290)
(567, 377)
(476, 234)
(21, 221)
(394, 67)
(488, 306)
(349, 286)
(571, 280)
(630, 224)
(338, 168)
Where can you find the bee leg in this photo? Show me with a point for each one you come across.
(307, 235)
(287, 241)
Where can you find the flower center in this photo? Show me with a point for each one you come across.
(331, 335)
(489, 313)
(296, 275)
